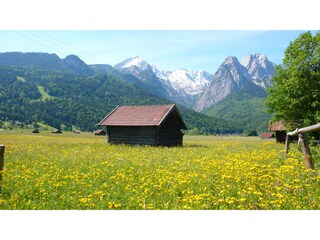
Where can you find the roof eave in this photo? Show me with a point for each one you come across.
(166, 115)
(99, 124)
(179, 116)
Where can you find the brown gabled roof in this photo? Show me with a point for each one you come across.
(140, 116)
(277, 126)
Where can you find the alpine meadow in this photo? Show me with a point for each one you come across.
(242, 137)
(82, 172)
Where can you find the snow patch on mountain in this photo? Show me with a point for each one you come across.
(202, 88)
(187, 81)
(133, 65)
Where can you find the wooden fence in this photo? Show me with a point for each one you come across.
(304, 142)
(2, 147)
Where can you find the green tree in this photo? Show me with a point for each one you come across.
(250, 133)
(295, 94)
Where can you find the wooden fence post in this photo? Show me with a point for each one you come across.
(306, 151)
(304, 142)
(287, 144)
(2, 147)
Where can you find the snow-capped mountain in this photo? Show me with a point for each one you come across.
(200, 89)
(144, 72)
(189, 82)
(181, 86)
(133, 65)
(260, 69)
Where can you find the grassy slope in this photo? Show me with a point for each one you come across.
(44, 94)
(21, 79)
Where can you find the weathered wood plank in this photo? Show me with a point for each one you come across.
(132, 135)
(154, 136)
(287, 144)
(304, 142)
(305, 129)
(304, 147)
(306, 151)
(2, 147)
(170, 137)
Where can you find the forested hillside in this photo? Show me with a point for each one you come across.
(61, 99)
(245, 108)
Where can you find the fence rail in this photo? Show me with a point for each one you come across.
(304, 142)
(311, 128)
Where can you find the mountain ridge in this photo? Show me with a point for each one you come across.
(45, 61)
(80, 101)
(232, 76)
(186, 87)
(199, 90)
(182, 86)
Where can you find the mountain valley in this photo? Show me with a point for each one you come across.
(212, 94)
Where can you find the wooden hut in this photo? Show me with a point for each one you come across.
(56, 131)
(100, 132)
(145, 125)
(36, 131)
(279, 128)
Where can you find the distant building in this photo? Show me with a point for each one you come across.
(56, 131)
(145, 125)
(18, 123)
(36, 131)
(267, 135)
(100, 132)
(279, 128)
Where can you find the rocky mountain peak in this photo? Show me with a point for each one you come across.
(233, 70)
(134, 64)
(260, 69)
(231, 60)
(233, 76)
(257, 58)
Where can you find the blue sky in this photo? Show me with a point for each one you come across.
(168, 50)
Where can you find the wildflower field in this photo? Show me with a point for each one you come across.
(69, 171)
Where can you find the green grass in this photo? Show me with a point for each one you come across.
(22, 79)
(44, 94)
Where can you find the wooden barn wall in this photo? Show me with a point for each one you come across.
(171, 122)
(281, 136)
(132, 135)
(169, 132)
(170, 138)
